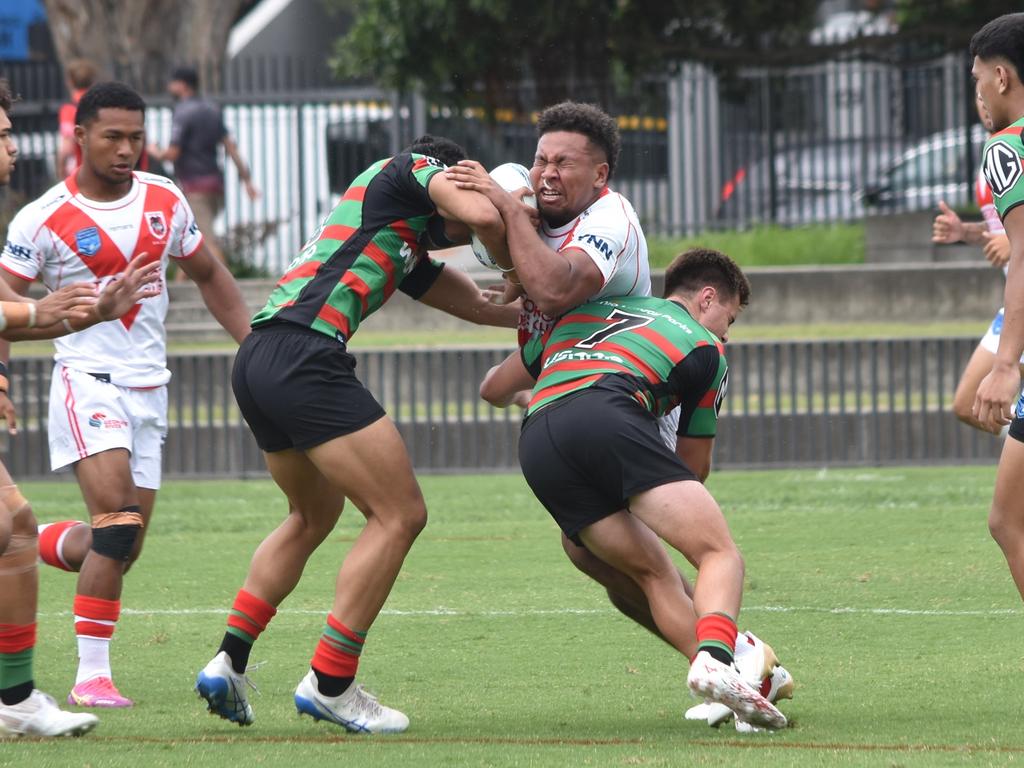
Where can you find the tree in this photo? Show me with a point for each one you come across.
(451, 48)
(142, 40)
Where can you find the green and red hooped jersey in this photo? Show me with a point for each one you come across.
(371, 243)
(669, 357)
(1003, 166)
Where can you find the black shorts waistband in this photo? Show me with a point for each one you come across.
(286, 326)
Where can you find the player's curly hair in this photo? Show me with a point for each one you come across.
(593, 122)
(7, 97)
(693, 269)
(437, 147)
(1002, 38)
(109, 95)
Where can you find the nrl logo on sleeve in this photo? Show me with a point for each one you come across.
(1002, 168)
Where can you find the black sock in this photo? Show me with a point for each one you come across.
(329, 685)
(237, 650)
(16, 693)
(717, 653)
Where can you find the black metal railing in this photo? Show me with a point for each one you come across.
(790, 404)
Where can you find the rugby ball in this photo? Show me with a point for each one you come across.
(510, 177)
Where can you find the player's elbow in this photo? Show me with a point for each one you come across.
(554, 300)
(493, 391)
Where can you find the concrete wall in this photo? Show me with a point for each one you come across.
(890, 293)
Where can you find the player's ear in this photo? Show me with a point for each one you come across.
(601, 177)
(80, 134)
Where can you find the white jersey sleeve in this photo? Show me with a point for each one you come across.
(28, 241)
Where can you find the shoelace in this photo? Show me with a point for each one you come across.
(367, 702)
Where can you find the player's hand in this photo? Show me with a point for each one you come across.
(71, 302)
(469, 174)
(8, 414)
(997, 393)
(139, 280)
(521, 398)
(947, 227)
(251, 190)
(997, 249)
(531, 210)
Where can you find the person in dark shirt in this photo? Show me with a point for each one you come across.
(197, 129)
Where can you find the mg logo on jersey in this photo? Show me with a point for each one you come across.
(157, 224)
(1002, 168)
(87, 241)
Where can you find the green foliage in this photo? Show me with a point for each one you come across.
(771, 246)
(457, 47)
(881, 590)
(951, 23)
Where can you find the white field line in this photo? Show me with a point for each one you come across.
(433, 612)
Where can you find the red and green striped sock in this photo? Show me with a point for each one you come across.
(17, 642)
(337, 657)
(248, 618)
(716, 634)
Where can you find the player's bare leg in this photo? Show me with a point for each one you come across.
(112, 501)
(24, 711)
(688, 518)
(1006, 518)
(629, 548)
(314, 505)
(623, 592)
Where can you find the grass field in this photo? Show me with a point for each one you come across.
(767, 246)
(880, 588)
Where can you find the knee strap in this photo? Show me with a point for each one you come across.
(114, 533)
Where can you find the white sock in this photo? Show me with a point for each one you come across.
(93, 658)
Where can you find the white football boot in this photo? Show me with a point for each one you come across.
(224, 690)
(759, 666)
(722, 684)
(355, 710)
(39, 716)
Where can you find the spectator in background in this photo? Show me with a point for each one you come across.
(197, 129)
(81, 74)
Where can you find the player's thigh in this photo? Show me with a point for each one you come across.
(1008, 497)
(310, 494)
(86, 416)
(628, 546)
(371, 467)
(105, 480)
(686, 515)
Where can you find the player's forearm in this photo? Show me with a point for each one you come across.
(455, 293)
(974, 232)
(224, 299)
(545, 275)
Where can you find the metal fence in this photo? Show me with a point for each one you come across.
(818, 143)
(790, 404)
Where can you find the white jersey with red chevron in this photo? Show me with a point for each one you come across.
(63, 237)
(609, 232)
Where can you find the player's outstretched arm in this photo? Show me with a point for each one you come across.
(475, 211)
(220, 292)
(457, 294)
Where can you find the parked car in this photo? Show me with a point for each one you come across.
(802, 184)
(940, 167)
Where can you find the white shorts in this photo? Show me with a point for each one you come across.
(667, 426)
(990, 341)
(89, 416)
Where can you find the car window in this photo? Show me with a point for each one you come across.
(937, 165)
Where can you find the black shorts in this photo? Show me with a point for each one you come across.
(584, 456)
(297, 388)
(1017, 429)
